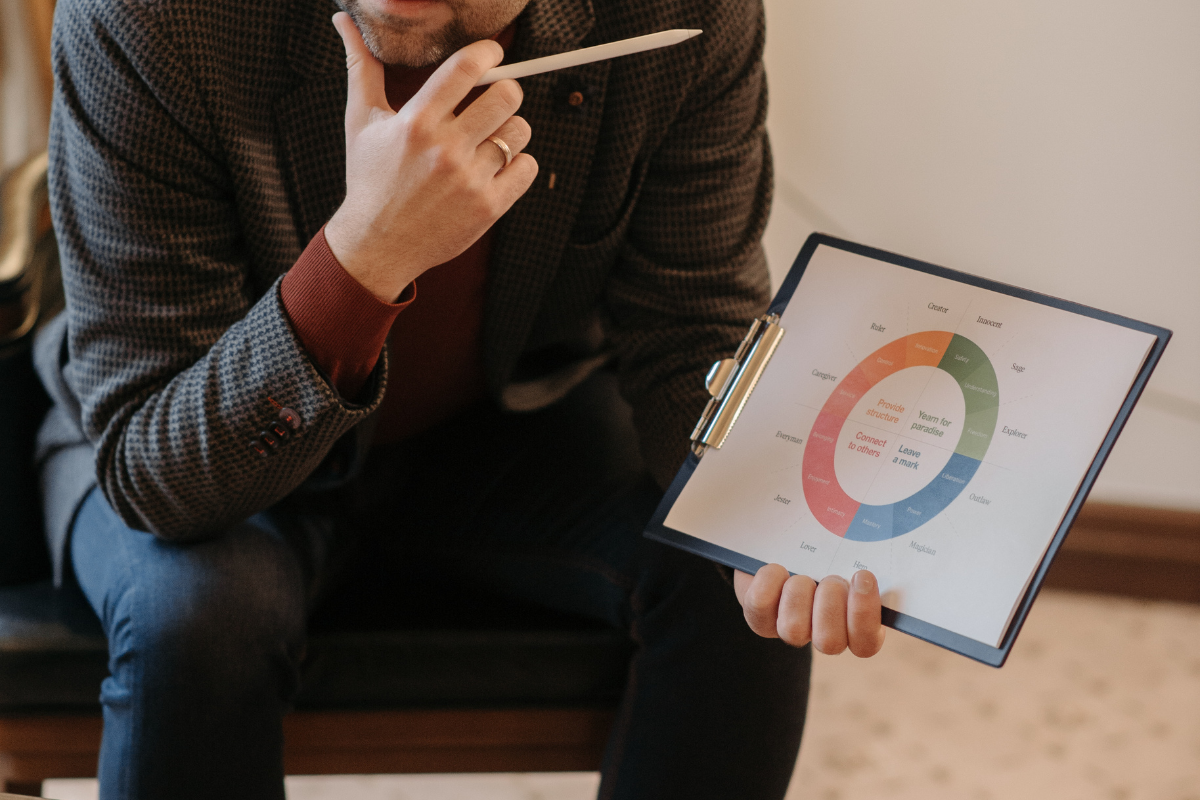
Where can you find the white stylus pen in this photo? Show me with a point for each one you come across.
(587, 55)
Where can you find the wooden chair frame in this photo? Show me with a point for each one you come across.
(36, 748)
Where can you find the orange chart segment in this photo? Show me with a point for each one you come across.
(926, 349)
(885, 361)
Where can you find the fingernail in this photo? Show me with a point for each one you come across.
(864, 582)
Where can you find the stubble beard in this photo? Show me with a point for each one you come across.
(403, 42)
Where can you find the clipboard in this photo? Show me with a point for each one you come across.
(918, 460)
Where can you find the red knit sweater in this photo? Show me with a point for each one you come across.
(435, 346)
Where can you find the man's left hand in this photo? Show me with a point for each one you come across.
(833, 614)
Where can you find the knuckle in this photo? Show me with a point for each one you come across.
(756, 599)
(759, 620)
(443, 159)
(475, 200)
(441, 165)
(527, 165)
(508, 92)
(471, 61)
(799, 591)
(866, 640)
(769, 575)
(488, 202)
(794, 632)
(521, 128)
(530, 168)
(419, 128)
(863, 649)
(495, 207)
(829, 644)
(863, 620)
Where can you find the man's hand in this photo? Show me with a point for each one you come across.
(833, 614)
(423, 184)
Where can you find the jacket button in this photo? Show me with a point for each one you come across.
(259, 448)
(269, 439)
(290, 418)
(279, 429)
(571, 95)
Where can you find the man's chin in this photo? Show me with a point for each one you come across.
(400, 32)
(409, 52)
(421, 33)
(395, 42)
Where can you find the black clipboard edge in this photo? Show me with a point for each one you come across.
(971, 648)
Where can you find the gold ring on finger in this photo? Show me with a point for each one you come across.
(496, 140)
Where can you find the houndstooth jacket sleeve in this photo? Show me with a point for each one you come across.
(179, 349)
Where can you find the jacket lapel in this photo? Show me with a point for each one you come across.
(310, 118)
(530, 238)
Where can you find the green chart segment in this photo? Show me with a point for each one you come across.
(968, 365)
(971, 369)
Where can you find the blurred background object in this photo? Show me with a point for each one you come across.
(28, 275)
(25, 78)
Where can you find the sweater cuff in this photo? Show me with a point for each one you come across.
(340, 323)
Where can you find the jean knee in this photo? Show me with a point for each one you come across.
(224, 624)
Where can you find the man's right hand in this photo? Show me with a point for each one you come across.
(423, 184)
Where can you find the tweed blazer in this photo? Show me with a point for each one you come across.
(197, 146)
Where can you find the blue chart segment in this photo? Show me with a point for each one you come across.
(897, 519)
(962, 360)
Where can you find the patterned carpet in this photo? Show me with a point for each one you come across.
(1100, 700)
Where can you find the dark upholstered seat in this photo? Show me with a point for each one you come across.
(52, 653)
(482, 653)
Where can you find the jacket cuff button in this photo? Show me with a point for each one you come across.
(259, 448)
(268, 438)
(290, 418)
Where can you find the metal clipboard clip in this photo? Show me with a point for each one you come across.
(731, 380)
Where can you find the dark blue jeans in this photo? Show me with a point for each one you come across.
(205, 639)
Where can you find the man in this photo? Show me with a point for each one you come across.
(245, 218)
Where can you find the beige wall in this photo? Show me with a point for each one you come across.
(1052, 144)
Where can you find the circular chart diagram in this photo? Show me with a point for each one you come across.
(891, 426)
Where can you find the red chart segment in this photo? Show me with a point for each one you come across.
(847, 393)
(832, 507)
